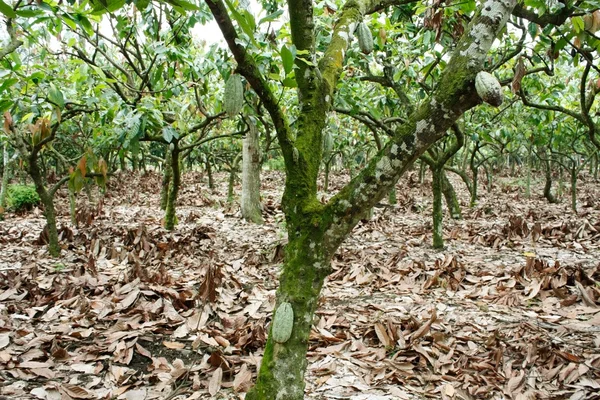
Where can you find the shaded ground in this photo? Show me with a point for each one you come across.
(509, 310)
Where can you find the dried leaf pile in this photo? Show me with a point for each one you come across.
(509, 310)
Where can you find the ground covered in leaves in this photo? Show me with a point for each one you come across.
(509, 310)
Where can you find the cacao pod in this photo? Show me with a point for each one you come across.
(283, 323)
(365, 39)
(488, 88)
(234, 95)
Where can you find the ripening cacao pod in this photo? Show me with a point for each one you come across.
(488, 88)
(234, 95)
(365, 39)
(282, 323)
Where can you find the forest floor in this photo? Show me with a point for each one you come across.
(510, 309)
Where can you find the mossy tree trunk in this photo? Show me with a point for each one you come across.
(437, 158)
(208, 167)
(574, 172)
(547, 176)
(122, 161)
(463, 175)
(250, 201)
(170, 216)
(73, 207)
(438, 213)
(166, 179)
(5, 178)
(450, 196)
(315, 230)
(233, 172)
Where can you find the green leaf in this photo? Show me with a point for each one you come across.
(288, 59)
(182, 5)
(56, 96)
(533, 29)
(7, 10)
(578, 24)
(270, 17)
(290, 82)
(141, 4)
(7, 83)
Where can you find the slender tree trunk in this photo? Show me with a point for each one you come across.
(135, 162)
(208, 166)
(326, 183)
(72, 207)
(47, 199)
(463, 176)
(422, 171)
(529, 167)
(250, 202)
(166, 180)
(170, 216)
(574, 171)
(438, 214)
(122, 161)
(474, 185)
(5, 177)
(548, 185)
(231, 184)
(450, 196)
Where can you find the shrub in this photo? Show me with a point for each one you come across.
(22, 197)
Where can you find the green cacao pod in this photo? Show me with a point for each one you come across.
(365, 39)
(283, 323)
(234, 95)
(488, 88)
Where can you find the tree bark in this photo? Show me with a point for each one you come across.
(438, 215)
(315, 230)
(47, 199)
(250, 202)
(166, 180)
(5, 177)
(170, 216)
(574, 172)
(450, 196)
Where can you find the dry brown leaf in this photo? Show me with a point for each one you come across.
(76, 392)
(243, 379)
(214, 385)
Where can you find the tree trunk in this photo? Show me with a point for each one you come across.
(47, 199)
(122, 161)
(548, 185)
(326, 183)
(208, 166)
(135, 162)
(574, 171)
(450, 196)
(422, 171)
(250, 202)
(474, 185)
(231, 184)
(438, 215)
(166, 180)
(463, 175)
(5, 177)
(315, 230)
(72, 207)
(170, 216)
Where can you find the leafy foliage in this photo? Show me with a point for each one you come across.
(22, 197)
